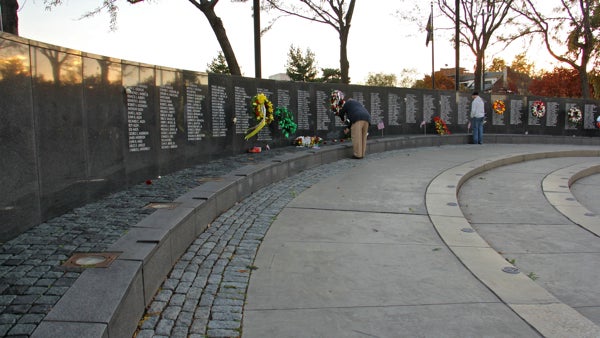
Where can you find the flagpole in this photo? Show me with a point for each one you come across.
(432, 51)
(457, 46)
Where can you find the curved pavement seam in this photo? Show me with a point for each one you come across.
(557, 190)
(527, 299)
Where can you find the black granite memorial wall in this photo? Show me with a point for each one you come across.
(20, 197)
(75, 126)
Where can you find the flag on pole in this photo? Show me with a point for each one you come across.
(429, 29)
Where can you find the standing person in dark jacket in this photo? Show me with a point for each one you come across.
(358, 119)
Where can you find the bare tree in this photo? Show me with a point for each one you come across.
(208, 8)
(335, 13)
(570, 32)
(205, 6)
(479, 21)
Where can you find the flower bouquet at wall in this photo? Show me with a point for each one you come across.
(440, 126)
(574, 115)
(308, 141)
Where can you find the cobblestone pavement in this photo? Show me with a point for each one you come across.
(204, 294)
(32, 279)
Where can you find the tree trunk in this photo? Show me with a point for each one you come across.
(344, 33)
(10, 19)
(344, 63)
(478, 70)
(207, 7)
(585, 84)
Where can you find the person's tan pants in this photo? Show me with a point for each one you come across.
(359, 131)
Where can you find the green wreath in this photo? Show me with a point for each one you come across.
(286, 121)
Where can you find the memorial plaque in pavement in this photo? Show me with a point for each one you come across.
(57, 98)
(19, 179)
(106, 125)
(143, 133)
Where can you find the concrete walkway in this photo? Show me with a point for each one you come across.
(386, 249)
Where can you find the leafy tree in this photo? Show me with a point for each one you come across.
(498, 65)
(479, 22)
(441, 82)
(560, 82)
(331, 75)
(407, 78)
(569, 32)
(520, 65)
(12, 67)
(518, 74)
(594, 77)
(10, 18)
(207, 7)
(218, 65)
(335, 13)
(301, 67)
(381, 80)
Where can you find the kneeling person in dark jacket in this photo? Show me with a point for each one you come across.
(358, 119)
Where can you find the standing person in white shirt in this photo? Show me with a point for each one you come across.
(477, 116)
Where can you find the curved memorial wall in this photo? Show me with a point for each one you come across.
(77, 126)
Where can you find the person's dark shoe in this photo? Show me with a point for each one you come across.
(356, 157)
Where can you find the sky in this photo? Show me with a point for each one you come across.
(174, 33)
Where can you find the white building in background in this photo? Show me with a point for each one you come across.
(280, 77)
